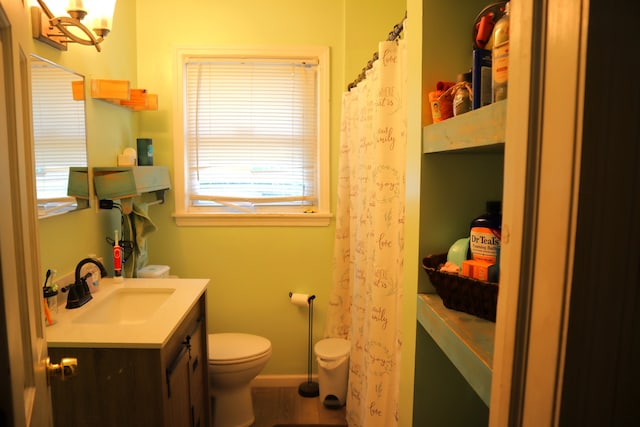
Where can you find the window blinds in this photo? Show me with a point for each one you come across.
(251, 132)
(58, 130)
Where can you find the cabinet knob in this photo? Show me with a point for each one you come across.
(68, 367)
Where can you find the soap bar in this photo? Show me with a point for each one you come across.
(476, 269)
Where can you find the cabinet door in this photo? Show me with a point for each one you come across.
(177, 399)
(198, 376)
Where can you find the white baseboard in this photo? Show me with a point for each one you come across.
(281, 380)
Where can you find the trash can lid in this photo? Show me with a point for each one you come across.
(332, 348)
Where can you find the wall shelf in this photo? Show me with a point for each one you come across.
(118, 92)
(462, 149)
(480, 130)
(126, 182)
(466, 340)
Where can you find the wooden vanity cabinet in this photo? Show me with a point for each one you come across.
(186, 385)
(138, 387)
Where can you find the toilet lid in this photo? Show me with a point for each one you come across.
(234, 346)
(332, 348)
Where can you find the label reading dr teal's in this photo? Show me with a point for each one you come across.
(484, 243)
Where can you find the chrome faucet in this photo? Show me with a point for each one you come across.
(79, 293)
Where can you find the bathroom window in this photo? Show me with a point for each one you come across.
(254, 137)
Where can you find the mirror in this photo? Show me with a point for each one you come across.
(59, 136)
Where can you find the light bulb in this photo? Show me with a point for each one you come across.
(101, 16)
(76, 9)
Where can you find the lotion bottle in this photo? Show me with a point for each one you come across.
(500, 57)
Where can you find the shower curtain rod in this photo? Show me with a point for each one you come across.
(393, 35)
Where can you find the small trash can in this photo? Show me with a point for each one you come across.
(333, 370)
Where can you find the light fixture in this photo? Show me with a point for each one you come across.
(49, 25)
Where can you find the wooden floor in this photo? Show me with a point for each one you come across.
(284, 405)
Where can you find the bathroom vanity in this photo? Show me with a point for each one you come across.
(141, 348)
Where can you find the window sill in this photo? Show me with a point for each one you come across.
(279, 220)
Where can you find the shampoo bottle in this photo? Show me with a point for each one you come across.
(500, 57)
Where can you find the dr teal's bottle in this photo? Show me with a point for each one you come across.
(484, 238)
(500, 57)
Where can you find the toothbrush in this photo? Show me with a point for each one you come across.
(46, 279)
(47, 312)
(117, 258)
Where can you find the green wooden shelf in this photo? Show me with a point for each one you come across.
(465, 339)
(479, 130)
(130, 181)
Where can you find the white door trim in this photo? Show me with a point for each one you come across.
(25, 394)
(542, 163)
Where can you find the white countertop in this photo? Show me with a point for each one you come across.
(151, 334)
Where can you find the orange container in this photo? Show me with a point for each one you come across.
(441, 102)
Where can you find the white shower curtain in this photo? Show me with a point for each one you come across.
(365, 304)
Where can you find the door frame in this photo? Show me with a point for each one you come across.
(542, 167)
(25, 398)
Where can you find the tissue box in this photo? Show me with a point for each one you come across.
(154, 271)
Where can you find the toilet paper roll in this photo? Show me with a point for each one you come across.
(300, 299)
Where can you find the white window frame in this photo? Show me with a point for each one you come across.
(184, 214)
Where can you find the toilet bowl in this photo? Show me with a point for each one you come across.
(235, 359)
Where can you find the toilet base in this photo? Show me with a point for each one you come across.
(232, 407)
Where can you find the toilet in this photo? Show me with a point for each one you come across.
(235, 359)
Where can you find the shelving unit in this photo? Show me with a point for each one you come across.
(465, 339)
(123, 183)
(118, 92)
(462, 168)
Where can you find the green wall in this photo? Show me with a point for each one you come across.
(251, 269)
(368, 23)
(66, 239)
(442, 382)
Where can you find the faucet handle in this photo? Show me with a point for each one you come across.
(79, 293)
(73, 297)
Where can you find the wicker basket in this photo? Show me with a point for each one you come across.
(462, 293)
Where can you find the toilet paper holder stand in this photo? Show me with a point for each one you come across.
(309, 388)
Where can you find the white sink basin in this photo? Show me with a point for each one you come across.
(134, 313)
(126, 306)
